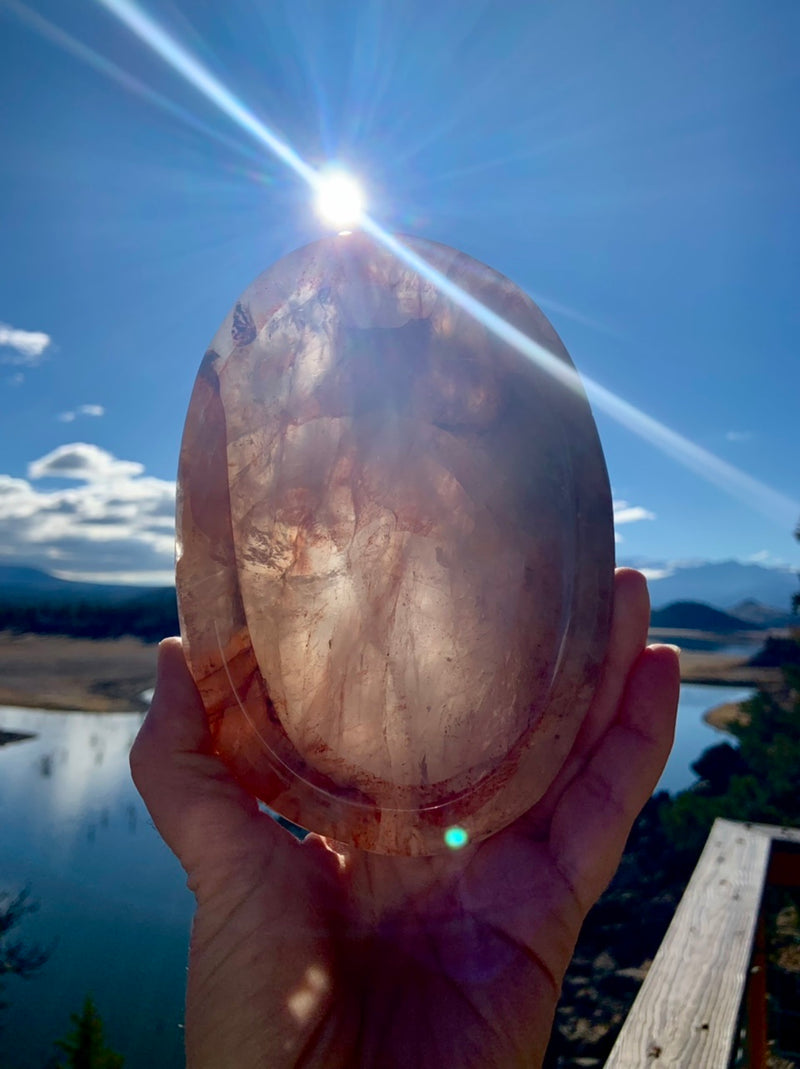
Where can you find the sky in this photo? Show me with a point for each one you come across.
(633, 167)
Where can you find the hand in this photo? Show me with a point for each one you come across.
(317, 954)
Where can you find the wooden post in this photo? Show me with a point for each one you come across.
(756, 1024)
(705, 973)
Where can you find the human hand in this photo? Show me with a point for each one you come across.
(317, 954)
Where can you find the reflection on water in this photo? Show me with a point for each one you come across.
(73, 828)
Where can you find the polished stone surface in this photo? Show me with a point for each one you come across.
(395, 549)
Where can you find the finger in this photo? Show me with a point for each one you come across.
(627, 638)
(594, 817)
(193, 800)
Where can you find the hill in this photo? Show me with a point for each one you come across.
(758, 615)
(37, 603)
(29, 585)
(695, 616)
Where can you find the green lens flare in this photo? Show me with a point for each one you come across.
(456, 837)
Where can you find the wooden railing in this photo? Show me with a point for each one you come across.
(707, 984)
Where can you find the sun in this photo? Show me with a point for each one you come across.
(339, 199)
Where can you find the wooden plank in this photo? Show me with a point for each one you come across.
(687, 1009)
(776, 832)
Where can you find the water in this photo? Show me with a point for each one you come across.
(73, 828)
(692, 733)
(111, 896)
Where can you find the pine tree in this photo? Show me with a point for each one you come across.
(85, 1046)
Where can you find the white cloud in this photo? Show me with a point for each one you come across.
(115, 524)
(27, 346)
(768, 559)
(83, 461)
(625, 513)
(738, 436)
(651, 574)
(82, 410)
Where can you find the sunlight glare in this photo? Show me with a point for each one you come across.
(339, 199)
(756, 494)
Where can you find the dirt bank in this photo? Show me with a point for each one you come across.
(50, 672)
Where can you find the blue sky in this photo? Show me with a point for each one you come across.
(634, 167)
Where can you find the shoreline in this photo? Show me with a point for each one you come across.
(50, 672)
(62, 674)
(717, 668)
(721, 717)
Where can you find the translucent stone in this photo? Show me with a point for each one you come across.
(395, 549)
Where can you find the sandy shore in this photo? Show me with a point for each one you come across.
(722, 716)
(50, 672)
(723, 670)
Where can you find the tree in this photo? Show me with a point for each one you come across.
(85, 1046)
(760, 783)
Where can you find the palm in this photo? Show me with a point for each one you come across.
(468, 951)
(315, 956)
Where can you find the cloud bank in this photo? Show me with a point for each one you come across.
(115, 524)
(112, 522)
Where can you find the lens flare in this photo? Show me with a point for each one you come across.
(184, 63)
(779, 507)
(69, 44)
(456, 838)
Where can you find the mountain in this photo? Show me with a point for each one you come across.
(29, 585)
(758, 615)
(725, 584)
(695, 616)
(13, 577)
(33, 601)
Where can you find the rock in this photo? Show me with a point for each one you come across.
(395, 549)
(604, 962)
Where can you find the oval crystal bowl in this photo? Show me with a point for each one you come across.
(395, 547)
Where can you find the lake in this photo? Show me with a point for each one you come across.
(112, 899)
(110, 894)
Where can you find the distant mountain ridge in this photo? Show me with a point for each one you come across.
(29, 584)
(758, 615)
(36, 602)
(33, 600)
(724, 584)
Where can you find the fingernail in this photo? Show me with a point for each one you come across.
(666, 646)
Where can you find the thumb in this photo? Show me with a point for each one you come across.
(199, 809)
